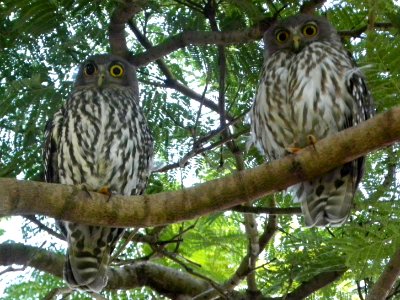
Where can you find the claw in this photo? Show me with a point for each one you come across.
(293, 150)
(84, 187)
(105, 190)
(312, 140)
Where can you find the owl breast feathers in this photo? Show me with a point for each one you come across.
(310, 88)
(100, 139)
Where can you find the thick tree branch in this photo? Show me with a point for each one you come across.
(70, 203)
(116, 30)
(225, 38)
(314, 284)
(165, 280)
(198, 38)
(28, 256)
(309, 7)
(390, 274)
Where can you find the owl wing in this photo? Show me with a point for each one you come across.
(357, 88)
(50, 151)
(51, 148)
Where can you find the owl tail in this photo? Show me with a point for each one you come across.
(88, 255)
(328, 199)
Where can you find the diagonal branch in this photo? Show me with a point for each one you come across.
(382, 287)
(170, 81)
(72, 204)
(316, 283)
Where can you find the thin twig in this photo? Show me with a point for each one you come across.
(43, 227)
(268, 210)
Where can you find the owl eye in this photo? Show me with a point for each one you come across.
(282, 36)
(90, 69)
(116, 70)
(310, 30)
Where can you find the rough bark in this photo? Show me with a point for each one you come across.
(165, 280)
(390, 274)
(72, 204)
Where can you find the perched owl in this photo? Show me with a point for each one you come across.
(99, 138)
(310, 88)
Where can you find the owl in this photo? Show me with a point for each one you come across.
(310, 88)
(99, 139)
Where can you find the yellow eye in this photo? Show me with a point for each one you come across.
(116, 70)
(310, 30)
(282, 36)
(90, 69)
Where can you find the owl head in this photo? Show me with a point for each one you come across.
(294, 33)
(106, 70)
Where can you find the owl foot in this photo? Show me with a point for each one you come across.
(105, 190)
(293, 150)
(84, 187)
(312, 140)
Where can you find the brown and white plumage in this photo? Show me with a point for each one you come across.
(310, 86)
(99, 138)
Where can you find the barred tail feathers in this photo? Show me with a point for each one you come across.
(88, 255)
(328, 200)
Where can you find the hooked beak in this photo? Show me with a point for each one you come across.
(296, 42)
(102, 77)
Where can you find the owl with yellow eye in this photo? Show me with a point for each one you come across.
(310, 88)
(99, 139)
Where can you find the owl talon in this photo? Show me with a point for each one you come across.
(105, 190)
(312, 140)
(84, 187)
(293, 150)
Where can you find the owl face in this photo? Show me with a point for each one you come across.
(105, 70)
(294, 33)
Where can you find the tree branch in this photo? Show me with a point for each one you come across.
(382, 287)
(72, 204)
(315, 283)
(309, 7)
(268, 210)
(224, 38)
(198, 38)
(361, 30)
(170, 81)
(165, 280)
(116, 30)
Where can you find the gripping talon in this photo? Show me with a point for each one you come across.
(105, 190)
(293, 150)
(312, 140)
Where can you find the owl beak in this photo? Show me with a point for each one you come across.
(296, 42)
(102, 77)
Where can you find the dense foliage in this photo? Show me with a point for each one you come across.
(187, 95)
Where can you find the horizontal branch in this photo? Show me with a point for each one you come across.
(226, 38)
(165, 280)
(198, 38)
(268, 210)
(72, 204)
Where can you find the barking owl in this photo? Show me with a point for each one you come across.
(100, 139)
(310, 88)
